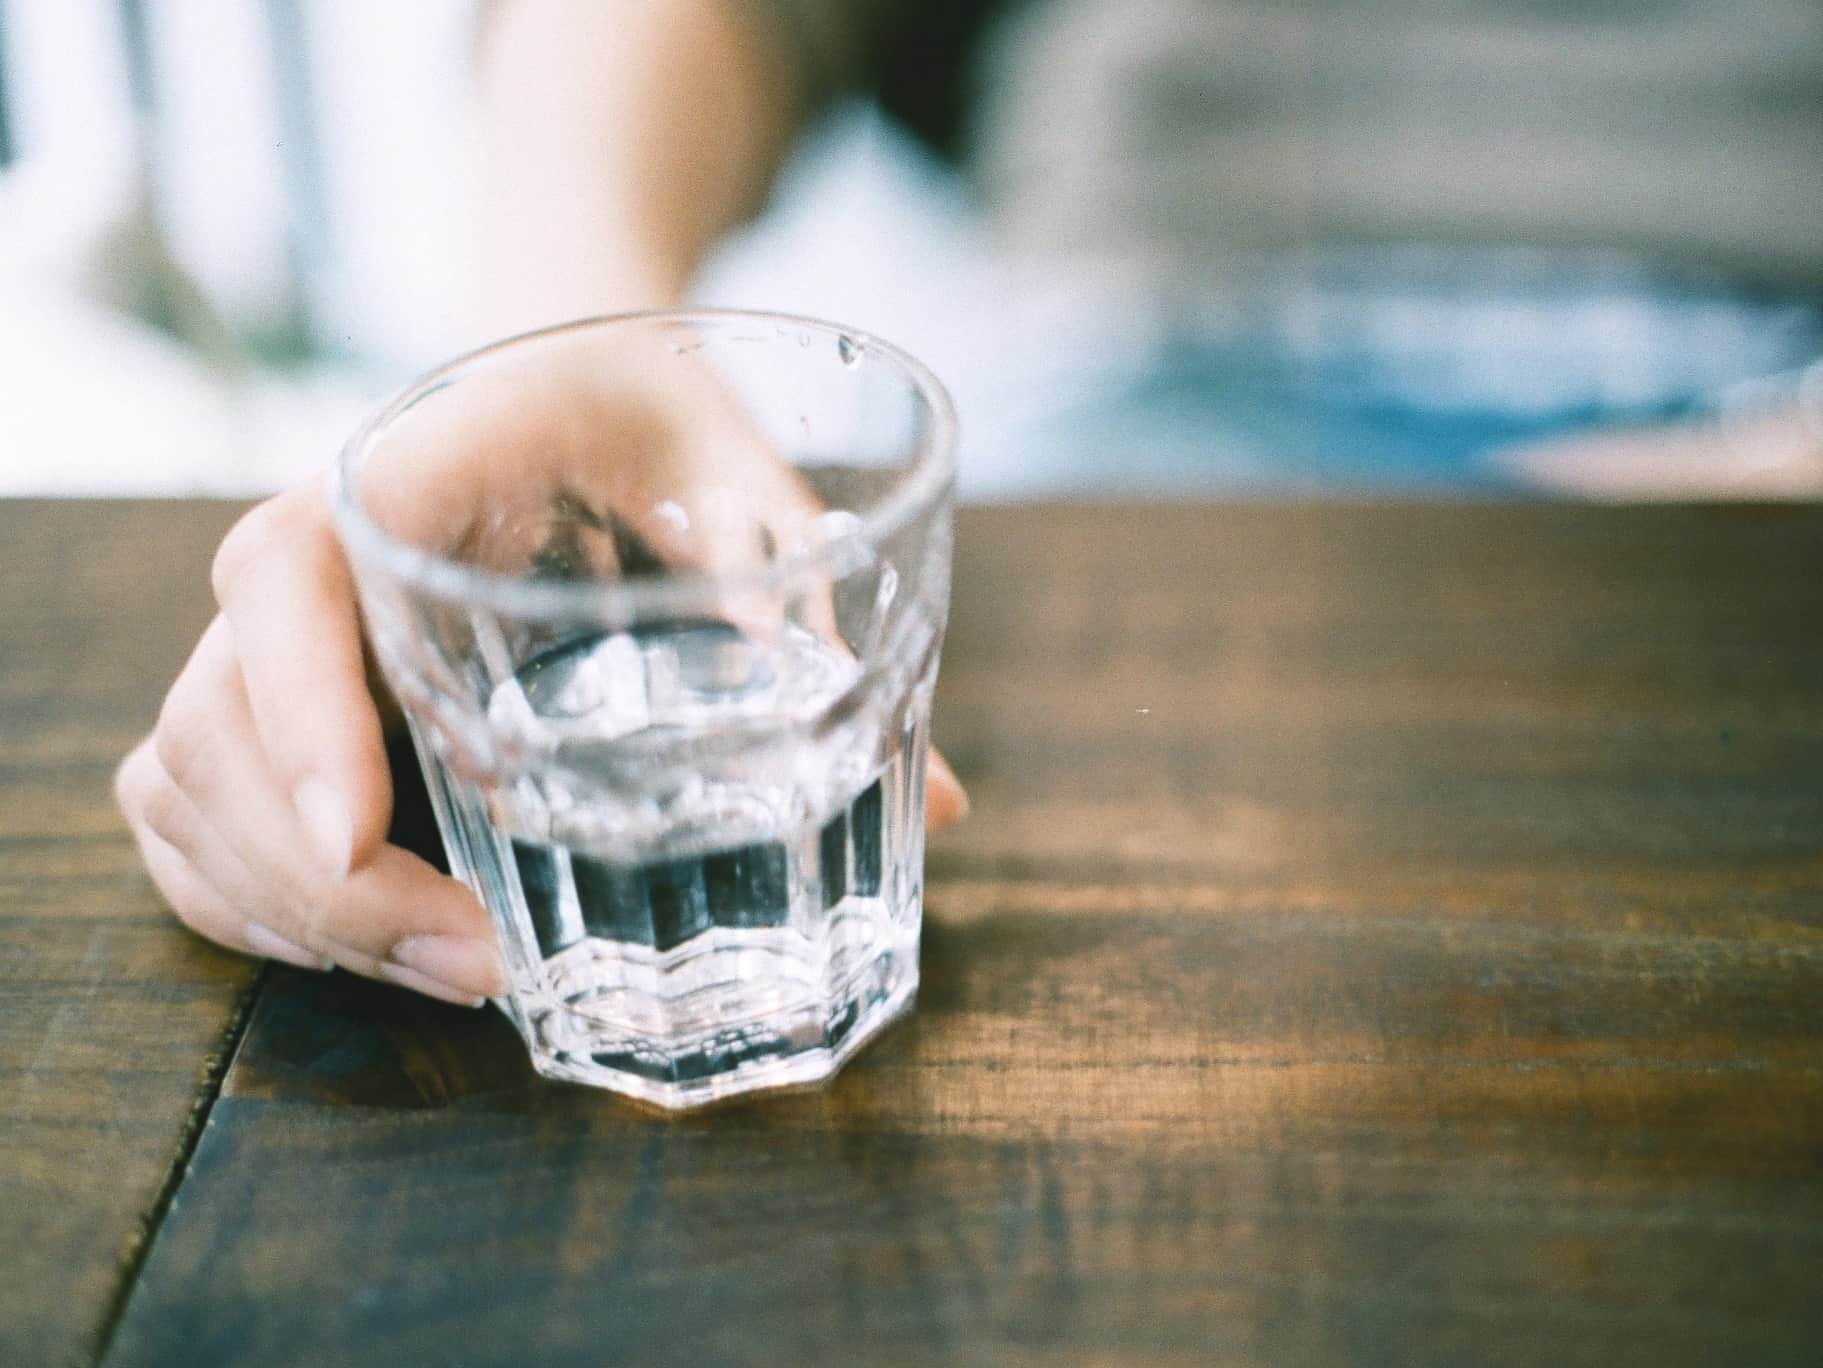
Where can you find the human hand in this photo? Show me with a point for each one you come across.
(262, 798)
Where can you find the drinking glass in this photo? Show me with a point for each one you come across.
(661, 598)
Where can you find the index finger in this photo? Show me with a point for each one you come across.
(285, 588)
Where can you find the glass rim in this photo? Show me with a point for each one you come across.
(929, 475)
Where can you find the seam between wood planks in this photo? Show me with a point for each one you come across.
(137, 1247)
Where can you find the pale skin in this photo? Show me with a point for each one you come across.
(620, 142)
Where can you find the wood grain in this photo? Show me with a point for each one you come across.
(110, 1013)
(1383, 935)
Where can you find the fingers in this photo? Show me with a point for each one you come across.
(395, 919)
(227, 847)
(139, 787)
(286, 592)
(945, 800)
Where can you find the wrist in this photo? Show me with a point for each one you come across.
(531, 278)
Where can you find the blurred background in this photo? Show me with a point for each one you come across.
(1155, 246)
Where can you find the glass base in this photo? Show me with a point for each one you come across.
(684, 1051)
(683, 979)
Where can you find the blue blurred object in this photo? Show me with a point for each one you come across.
(1401, 370)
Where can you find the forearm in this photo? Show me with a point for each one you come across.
(620, 140)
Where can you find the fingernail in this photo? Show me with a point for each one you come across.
(464, 964)
(326, 823)
(939, 773)
(430, 987)
(263, 940)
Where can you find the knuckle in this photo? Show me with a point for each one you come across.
(130, 780)
(267, 528)
(247, 541)
(162, 809)
(177, 745)
(314, 924)
(171, 877)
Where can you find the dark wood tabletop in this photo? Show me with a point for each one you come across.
(1383, 935)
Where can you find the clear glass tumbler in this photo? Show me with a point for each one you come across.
(661, 597)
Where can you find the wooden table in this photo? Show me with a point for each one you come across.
(1384, 935)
